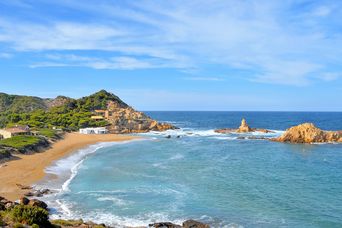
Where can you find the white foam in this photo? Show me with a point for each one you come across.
(117, 201)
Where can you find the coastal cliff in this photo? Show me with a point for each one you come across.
(309, 133)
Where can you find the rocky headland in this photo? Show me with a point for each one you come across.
(244, 128)
(309, 133)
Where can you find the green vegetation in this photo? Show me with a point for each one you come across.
(62, 222)
(20, 141)
(4, 153)
(71, 115)
(49, 133)
(26, 214)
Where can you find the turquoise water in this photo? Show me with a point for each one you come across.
(218, 179)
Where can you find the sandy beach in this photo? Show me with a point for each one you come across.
(30, 168)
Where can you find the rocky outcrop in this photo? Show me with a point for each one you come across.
(186, 224)
(124, 119)
(244, 128)
(309, 133)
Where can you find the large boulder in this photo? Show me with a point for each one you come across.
(164, 225)
(309, 133)
(194, 224)
(38, 203)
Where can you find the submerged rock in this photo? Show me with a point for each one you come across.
(309, 133)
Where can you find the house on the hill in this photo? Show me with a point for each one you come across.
(93, 130)
(14, 131)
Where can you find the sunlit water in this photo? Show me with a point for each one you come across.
(218, 179)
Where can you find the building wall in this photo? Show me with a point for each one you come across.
(5, 134)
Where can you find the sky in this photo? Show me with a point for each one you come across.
(257, 55)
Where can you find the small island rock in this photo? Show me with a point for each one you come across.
(309, 133)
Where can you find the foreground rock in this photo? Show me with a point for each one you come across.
(244, 128)
(186, 224)
(36, 211)
(309, 133)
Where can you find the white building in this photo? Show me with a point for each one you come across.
(94, 130)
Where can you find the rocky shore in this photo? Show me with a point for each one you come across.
(35, 213)
(309, 133)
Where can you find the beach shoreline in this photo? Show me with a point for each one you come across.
(29, 169)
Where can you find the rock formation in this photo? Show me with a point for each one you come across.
(124, 119)
(309, 133)
(244, 128)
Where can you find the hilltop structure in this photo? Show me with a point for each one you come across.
(14, 131)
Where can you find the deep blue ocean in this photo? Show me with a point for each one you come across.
(218, 179)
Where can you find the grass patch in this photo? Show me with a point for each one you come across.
(26, 214)
(62, 222)
(20, 141)
(49, 133)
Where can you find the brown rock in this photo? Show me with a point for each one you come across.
(309, 133)
(244, 127)
(164, 225)
(24, 201)
(37, 203)
(225, 130)
(194, 224)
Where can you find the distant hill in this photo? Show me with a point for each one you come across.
(21, 104)
(72, 114)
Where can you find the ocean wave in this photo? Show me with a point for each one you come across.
(189, 132)
(115, 200)
(122, 221)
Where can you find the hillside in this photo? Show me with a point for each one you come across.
(22, 104)
(72, 114)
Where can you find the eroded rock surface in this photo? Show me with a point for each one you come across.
(309, 133)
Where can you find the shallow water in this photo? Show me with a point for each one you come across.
(218, 179)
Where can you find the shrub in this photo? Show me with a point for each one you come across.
(49, 133)
(29, 215)
(35, 226)
(18, 225)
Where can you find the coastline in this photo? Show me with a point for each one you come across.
(29, 169)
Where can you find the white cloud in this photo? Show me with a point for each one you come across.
(120, 63)
(5, 55)
(204, 79)
(275, 44)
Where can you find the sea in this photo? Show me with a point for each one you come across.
(195, 173)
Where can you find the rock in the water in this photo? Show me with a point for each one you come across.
(164, 225)
(309, 133)
(24, 201)
(194, 224)
(244, 127)
(225, 130)
(38, 203)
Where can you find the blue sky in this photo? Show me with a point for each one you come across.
(176, 54)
